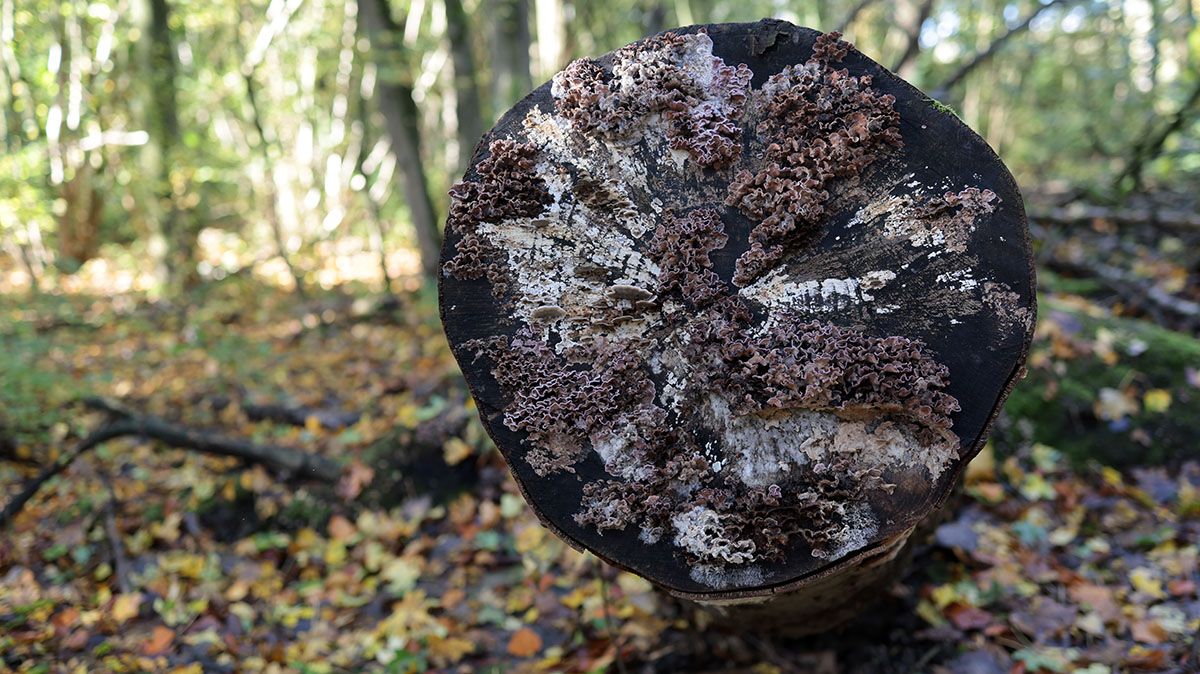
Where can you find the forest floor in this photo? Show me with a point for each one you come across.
(421, 555)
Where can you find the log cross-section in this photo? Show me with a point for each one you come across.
(737, 306)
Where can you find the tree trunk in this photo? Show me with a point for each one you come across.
(393, 94)
(466, 86)
(510, 42)
(171, 242)
(748, 374)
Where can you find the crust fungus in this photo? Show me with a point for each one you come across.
(741, 339)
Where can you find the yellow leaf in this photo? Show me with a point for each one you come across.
(983, 467)
(524, 643)
(126, 606)
(312, 424)
(401, 574)
(529, 537)
(944, 595)
(456, 450)
(448, 650)
(1144, 581)
(930, 613)
(335, 553)
(238, 590)
(1157, 400)
(575, 598)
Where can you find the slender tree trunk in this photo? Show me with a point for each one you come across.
(272, 192)
(376, 229)
(905, 66)
(466, 83)
(393, 94)
(551, 35)
(511, 77)
(172, 247)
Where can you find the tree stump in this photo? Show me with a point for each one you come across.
(737, 306)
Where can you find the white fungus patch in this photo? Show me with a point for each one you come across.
(720, 578)
(859, 525)
(763, 449)
(780, 290)
(961, 279)
(701, 532)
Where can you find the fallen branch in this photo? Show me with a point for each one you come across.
(1176, 220)
(332, 419)
(285, 461)
(1133, 287)
(116, 543)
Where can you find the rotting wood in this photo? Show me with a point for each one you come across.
(737, 305)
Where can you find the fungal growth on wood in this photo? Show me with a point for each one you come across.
(728, 336)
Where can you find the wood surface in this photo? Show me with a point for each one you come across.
(960, 287)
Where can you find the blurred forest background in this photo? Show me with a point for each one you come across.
(218, 228)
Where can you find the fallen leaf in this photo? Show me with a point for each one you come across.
(340, 528)
(160, 640)
(77, 640)
(968, 617)
(1148, 632)
(524, 643)
(448, 650)
(1156, 400)
(125, 606)
(1112, 404)
(357, 476)
(1182, 588)
(65, 618)
(455, 451)
(1145, 581)
(1098, 597)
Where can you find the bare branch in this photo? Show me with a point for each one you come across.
(987, 53)
(1151, 144)
(914, 37)
(853, 14)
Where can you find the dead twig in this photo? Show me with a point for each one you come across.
(116, 544)
(612, 636)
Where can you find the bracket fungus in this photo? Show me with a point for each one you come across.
(737, 307)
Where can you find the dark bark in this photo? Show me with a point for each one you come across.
(1171, 220)
(393, 95)
(331, 418)
(466, 83)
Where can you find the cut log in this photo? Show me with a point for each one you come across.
(737, 305)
